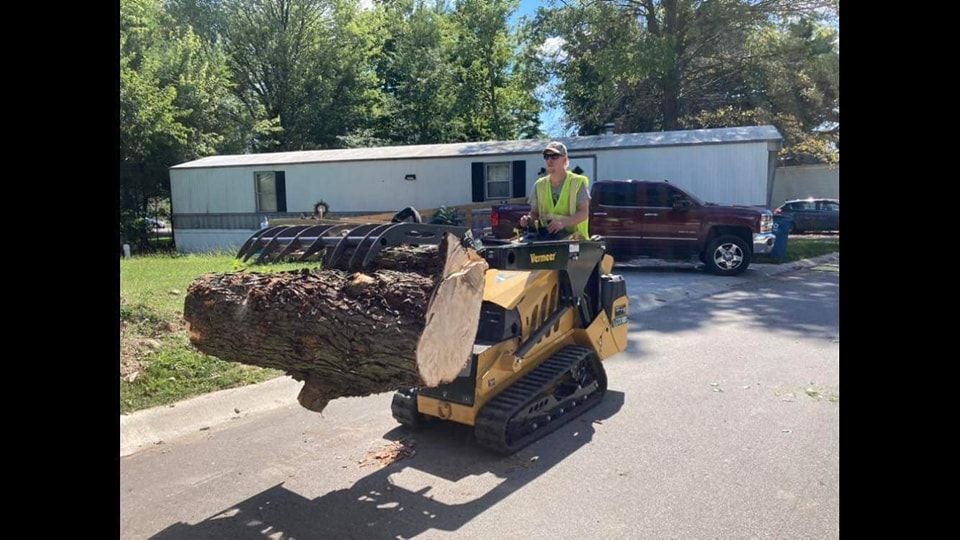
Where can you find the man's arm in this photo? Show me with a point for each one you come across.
(534, 213)
(583, 213)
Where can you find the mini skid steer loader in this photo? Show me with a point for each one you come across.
(551, 312)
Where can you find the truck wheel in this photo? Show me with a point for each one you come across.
(727, 255)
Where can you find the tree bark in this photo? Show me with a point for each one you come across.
(410, 322)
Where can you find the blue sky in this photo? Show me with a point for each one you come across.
(527, 7)
(551, 119)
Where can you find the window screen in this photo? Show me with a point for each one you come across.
(499, 177)
(266, 191)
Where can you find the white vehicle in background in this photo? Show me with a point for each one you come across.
(158, 226)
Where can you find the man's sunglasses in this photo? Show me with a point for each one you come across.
(550, 157)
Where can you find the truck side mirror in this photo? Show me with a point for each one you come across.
(681, 204)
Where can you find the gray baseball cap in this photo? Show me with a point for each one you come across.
(555, 148)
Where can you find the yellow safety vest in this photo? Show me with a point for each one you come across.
(566, 203)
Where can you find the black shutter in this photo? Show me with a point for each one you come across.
(520, 178)
(478, 191)
(281, 178)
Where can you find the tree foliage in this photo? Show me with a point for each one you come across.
(650, 65)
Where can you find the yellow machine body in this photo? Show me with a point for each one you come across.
(535, 294)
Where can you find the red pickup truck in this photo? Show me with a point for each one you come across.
(640, 218)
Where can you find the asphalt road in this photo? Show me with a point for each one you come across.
(721, 420)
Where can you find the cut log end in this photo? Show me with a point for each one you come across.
(445, 346)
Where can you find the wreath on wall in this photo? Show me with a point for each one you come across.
(321, 204)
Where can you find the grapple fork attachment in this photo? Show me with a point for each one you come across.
(349, 247)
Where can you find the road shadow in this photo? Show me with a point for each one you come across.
(654, 266)
(802, 304)
(375, 507)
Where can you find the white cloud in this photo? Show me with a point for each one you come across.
(552, 49)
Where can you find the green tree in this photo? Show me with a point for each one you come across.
(495, 98)
(414, 67)
(272, 47)
(306, 64)
(151, 131)
(206, 18)
(346, 99)
(793, 83)
(176, 105)
(603, 64)
(452, 72)
(652, 65)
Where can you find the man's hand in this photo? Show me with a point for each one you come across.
(555, 226)
(524, 219)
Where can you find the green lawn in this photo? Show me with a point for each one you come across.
(806, 248)
(157, 363)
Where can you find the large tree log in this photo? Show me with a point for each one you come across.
(411, 322)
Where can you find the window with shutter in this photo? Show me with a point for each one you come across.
(499, 178)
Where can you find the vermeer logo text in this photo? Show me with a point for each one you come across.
(546, 257)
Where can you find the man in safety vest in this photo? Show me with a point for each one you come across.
(561, 198)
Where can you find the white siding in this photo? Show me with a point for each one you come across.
(720, 173)
(211, 191)
(202, 241)
(800, 182)
(378, 185)
(358, 186)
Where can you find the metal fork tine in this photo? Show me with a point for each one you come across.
(378, 244)
(332, 257)
(363, 249)
(267, 233)
(253, 238)
(265, 252)
(318, 244)
(295, 242)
